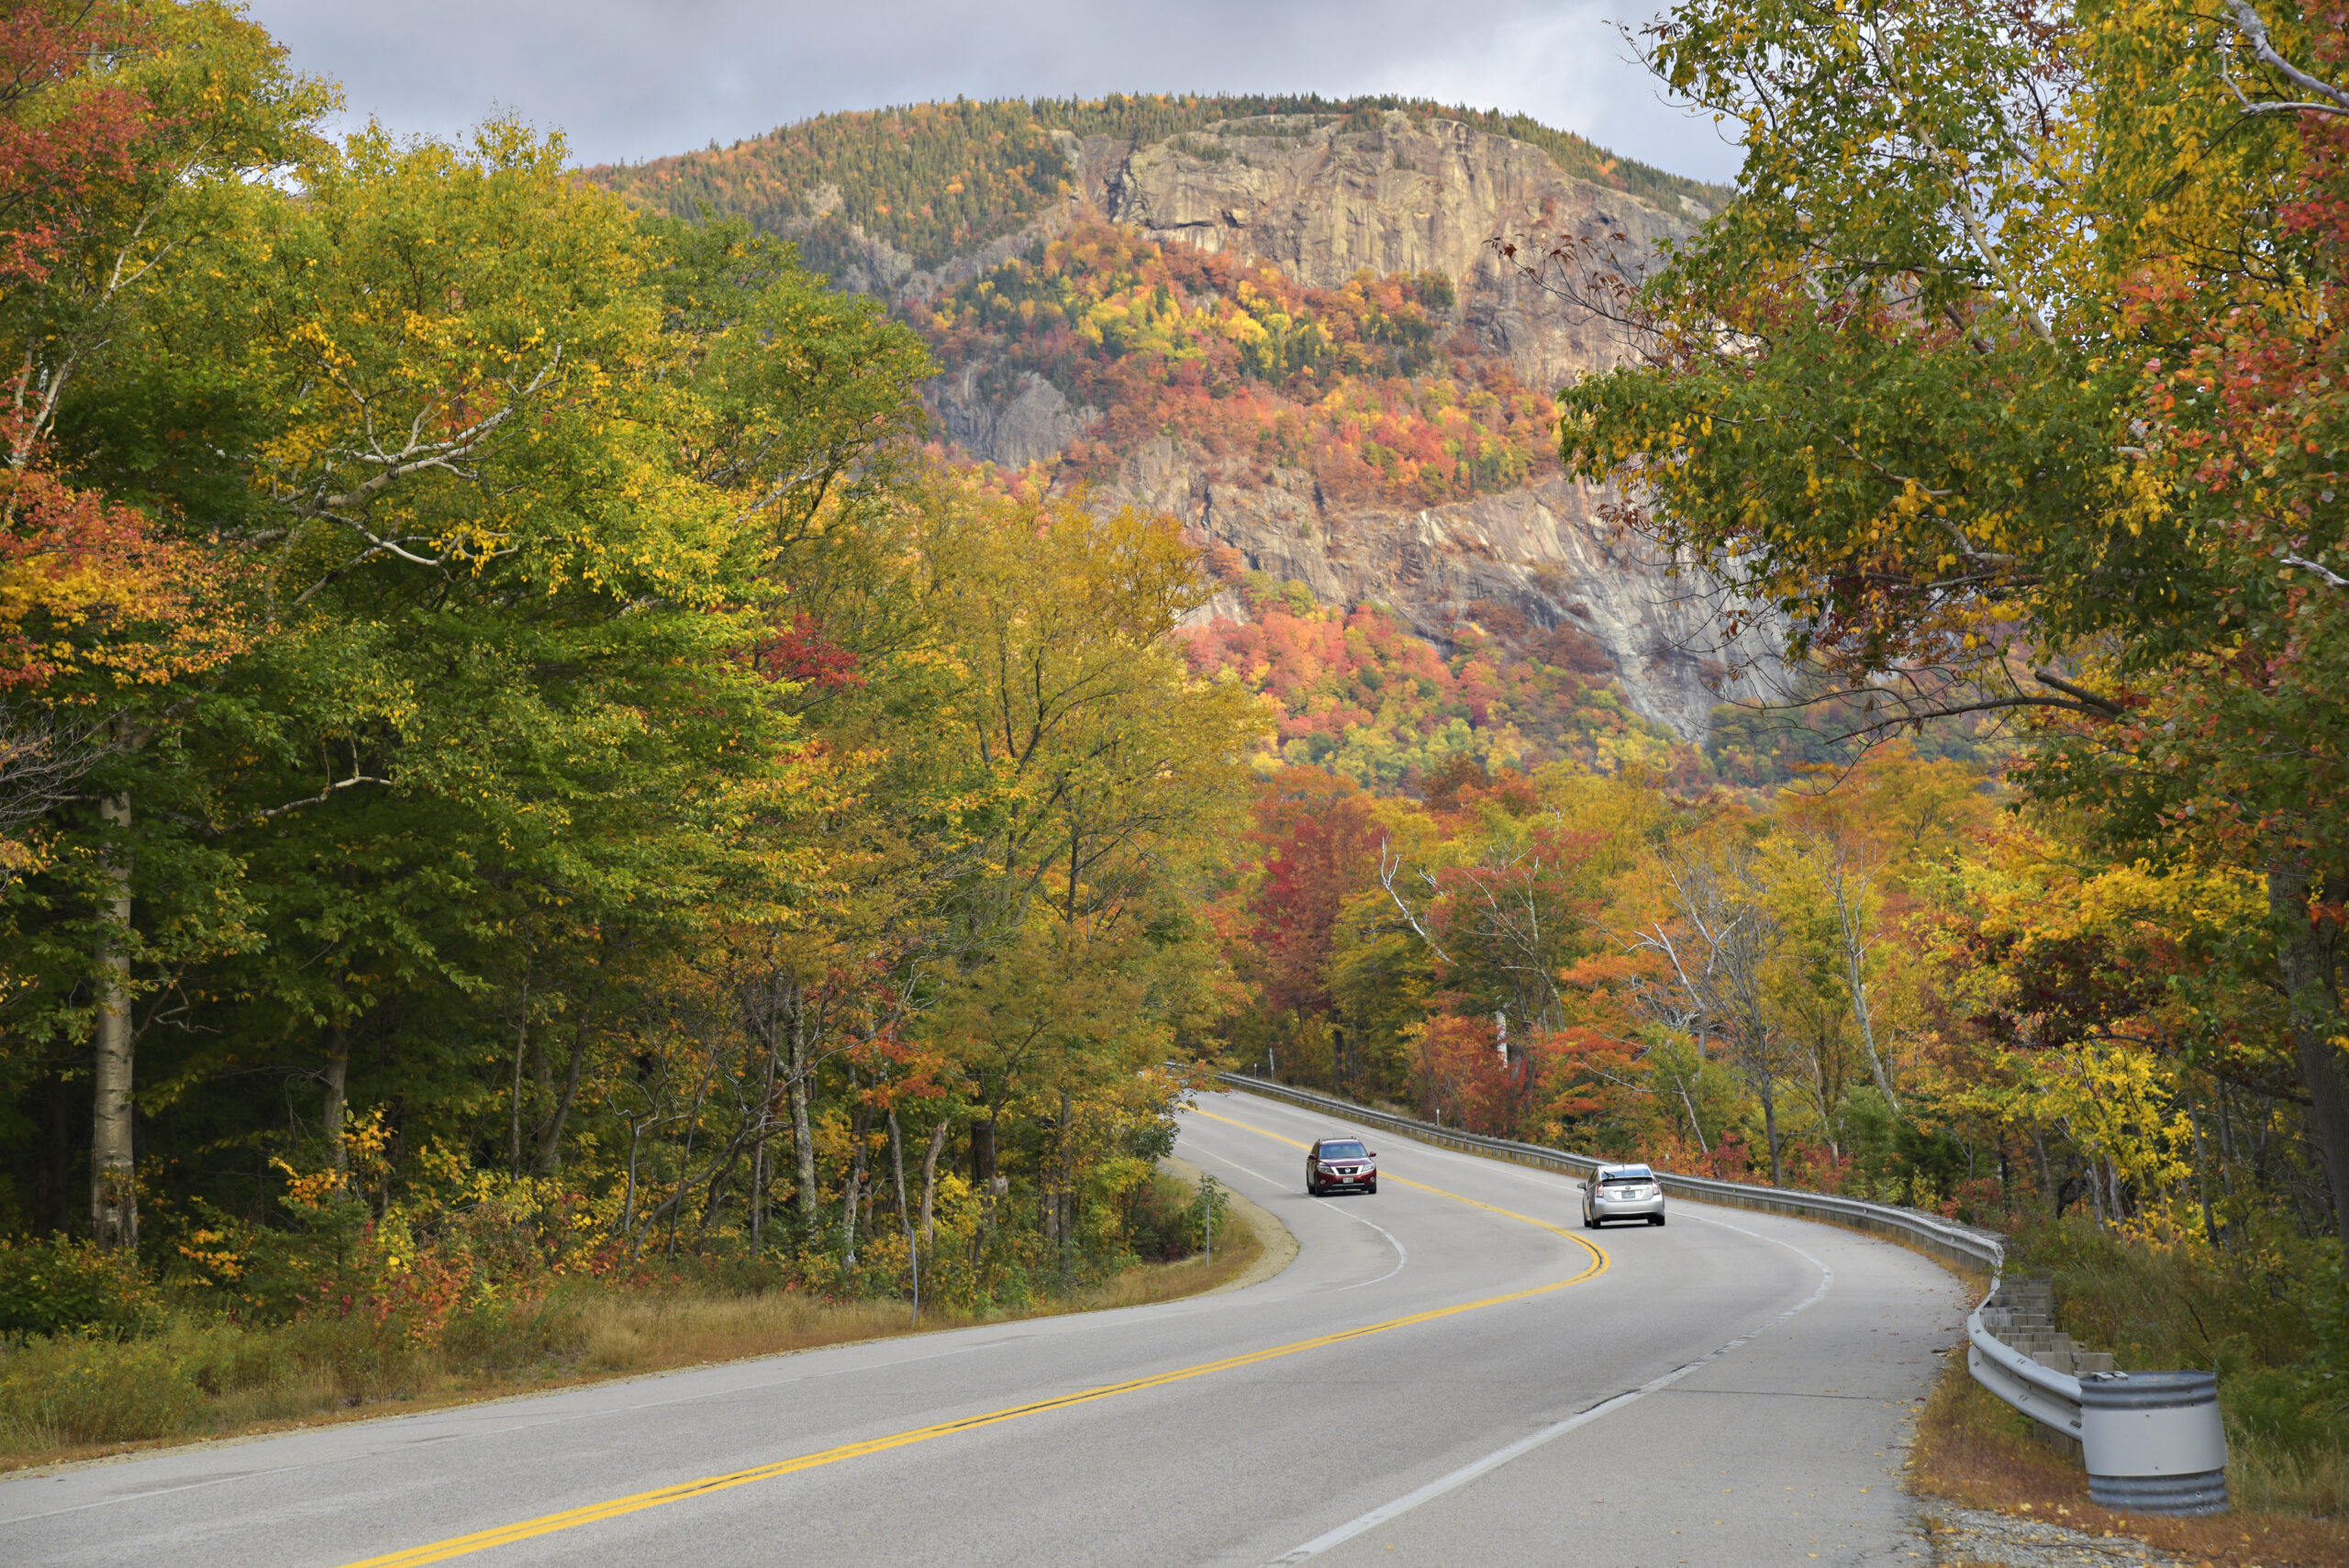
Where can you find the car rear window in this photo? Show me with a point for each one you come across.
(1342, 1151)
(1624, 1181)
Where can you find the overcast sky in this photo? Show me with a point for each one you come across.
(633, 79)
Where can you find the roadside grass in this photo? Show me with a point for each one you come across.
(71, 1397)
(1973, 1450)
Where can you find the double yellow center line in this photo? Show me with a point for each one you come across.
(637, 1502)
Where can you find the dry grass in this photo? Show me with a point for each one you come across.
(1975, 1452)
(75, 1400)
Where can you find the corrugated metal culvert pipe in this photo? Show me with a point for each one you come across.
(2153, 1441)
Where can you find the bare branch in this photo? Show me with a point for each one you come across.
(325, 794)
(2254, 29)
(2332, 579)
(1386, 872)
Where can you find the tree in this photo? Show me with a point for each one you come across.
(1916, 391)
(126, 134)
(1319, 843)
(1098, 768)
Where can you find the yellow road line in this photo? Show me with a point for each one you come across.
(570, 1518)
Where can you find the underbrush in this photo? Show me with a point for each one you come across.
(1973, 1450)
(2267, 1314)
(148, 1366)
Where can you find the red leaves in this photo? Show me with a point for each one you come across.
(805, 654)
(1320, 847)
(58, 160)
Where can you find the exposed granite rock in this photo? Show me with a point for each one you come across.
(1036, 425)
(874, 266)
(1541, 553)
(1324, 205)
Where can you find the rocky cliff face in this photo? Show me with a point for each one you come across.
(1324, 203)
(1537, 552)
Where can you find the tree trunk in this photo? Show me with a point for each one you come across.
(759, 1176)
(2306, 957)
(551, 1131)
(1690, 1105)
(114, 1176)
(1770, 1132)
(897, 1167)
(514, 1104)
(803, 1138)
(983, 1152)
(906, 1213)
(930, 1179)
(337, 1102)
(1855, 954)
(852, 1186)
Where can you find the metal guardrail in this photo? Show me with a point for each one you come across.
(2048, 1396)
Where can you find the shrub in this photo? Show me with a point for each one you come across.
(508, 1336)
(80, 1389)
(56, 1285)
(1161, 1219)
(2267, 1315)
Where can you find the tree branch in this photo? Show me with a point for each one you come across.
(2254, 29)
(2332, 579)
(1387, 880)
(2104, 706)
(324, 795)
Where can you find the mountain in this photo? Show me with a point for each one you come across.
(1283, 320)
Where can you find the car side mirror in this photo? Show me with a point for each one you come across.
(1582, 1186)
(1372, 1155)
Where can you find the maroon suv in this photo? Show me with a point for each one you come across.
(1335, 1165)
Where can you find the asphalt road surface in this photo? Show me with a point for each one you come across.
(1452, 1371)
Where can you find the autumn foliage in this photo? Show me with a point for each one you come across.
(937, 179)
(1367, 386)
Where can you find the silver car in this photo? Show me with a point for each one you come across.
(1622, 1192)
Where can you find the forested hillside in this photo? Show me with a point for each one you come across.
(1369, 388)
(1282, 320)
(938, 179)
(537, 793)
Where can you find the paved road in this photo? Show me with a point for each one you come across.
(1452, 1371)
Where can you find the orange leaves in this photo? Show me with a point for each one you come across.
(87, 588)
(1357, 383)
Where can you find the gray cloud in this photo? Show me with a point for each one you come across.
(632, 79)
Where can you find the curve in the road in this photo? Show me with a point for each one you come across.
(1419, 1385)
(1441, 1484)
(571, 1519)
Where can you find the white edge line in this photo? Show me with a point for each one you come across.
(1401, 1257)
(1532, 1441)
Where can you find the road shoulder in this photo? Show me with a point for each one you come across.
(1277, 1243)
